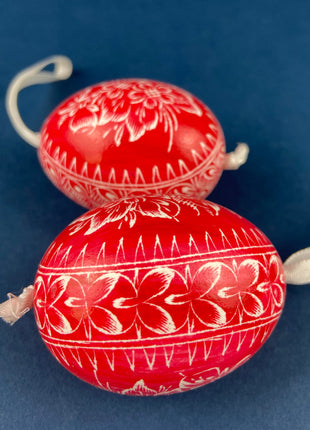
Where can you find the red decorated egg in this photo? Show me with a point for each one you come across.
(124, 138)
(132, 136)
(157, 294)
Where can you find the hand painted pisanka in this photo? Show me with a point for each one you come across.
(142, 137)
(135, 106)
(158, 295)
(126, 137)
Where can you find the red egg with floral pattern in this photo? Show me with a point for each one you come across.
(157, 295)
(125, 137)
(132, 136)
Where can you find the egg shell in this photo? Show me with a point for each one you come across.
(157, 295)
(130, 137)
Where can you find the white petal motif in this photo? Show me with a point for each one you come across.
(109, 322)
(156, 319)
(140, 389)
(59, 322)
(156, 282)
(251, 304)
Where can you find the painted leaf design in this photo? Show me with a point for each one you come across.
(59, 322)
(206, 278)
(247, 274)
(105, 321)
(278, 294)
(252, 305)
(155, 283)
(209, 313)
(85, 120)
(114, 109)
(156, 318)
(40, 301)
(159, 208)
(103, 286)
(274, 269)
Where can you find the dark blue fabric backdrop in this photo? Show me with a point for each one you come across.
(250, 62)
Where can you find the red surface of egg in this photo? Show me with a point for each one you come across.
(157, 295)
(132, 136)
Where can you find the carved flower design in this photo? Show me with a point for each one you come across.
(126, 210)
(273, 274)
(161, 301)
(46, 310)
(198, 379)
(140, 389)
(196, 204)
(203, 304)
(132, 106)
(239, 284)
(81, 112)
(110, 304)
(66, 305)
(216, 291)
(151, 305)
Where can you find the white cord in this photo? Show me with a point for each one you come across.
(31, 76)
(236, 158)
(297, 268)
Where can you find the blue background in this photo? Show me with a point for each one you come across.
(250, 62)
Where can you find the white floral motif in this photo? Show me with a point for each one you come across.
(133, 106)
(81, 112)
(47, 314)
(206, 206)
(189, 382)
(66, 304)
(215, 295)
(110, 304)
(89, 305)
(273, 275)
(241, 285)
(140, 389)
(216, 282)
(126, 210)
(149, 302)
(202, 378)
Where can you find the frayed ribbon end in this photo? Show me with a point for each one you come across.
(235, 159)
(16, 306)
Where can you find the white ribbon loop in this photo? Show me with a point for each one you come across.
(16, 306)
(297, 268)
(236, 158)
(34, 75)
